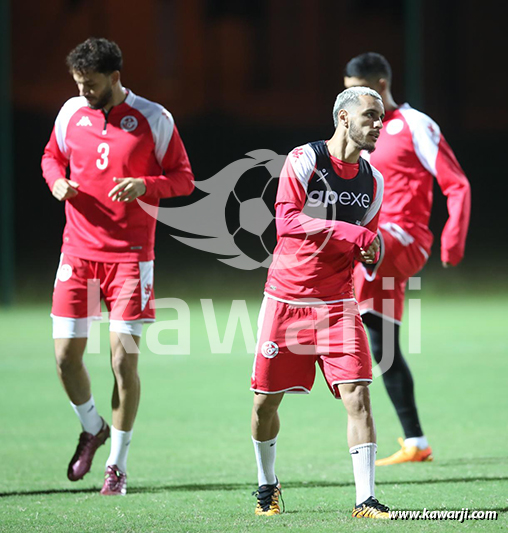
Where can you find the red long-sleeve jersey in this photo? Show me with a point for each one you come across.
(137, 138)
(410, 152)
(313, 258)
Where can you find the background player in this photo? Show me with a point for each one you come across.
(327, 208)
(410, 152)
(118, 147)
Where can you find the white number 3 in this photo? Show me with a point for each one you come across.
(103, 149)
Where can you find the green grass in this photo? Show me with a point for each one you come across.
(191, 464)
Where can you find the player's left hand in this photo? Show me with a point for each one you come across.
(446, 264)
(127, 189)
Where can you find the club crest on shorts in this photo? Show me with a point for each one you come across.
(129, 123)
(64, 272)
(269, 349)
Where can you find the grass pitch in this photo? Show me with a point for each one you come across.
(191, 464)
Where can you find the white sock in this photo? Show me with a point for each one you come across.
(265, 457)
(88, 416)
(120, 441)
(419, 442)
(364, 458)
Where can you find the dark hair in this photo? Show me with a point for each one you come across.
(95, 55)
(369, 65)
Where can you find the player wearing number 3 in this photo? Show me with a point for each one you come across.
(118, 147)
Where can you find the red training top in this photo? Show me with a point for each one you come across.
(138, 139)
(409, 153)
(313, 258)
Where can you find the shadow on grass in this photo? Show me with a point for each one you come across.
(217, 487)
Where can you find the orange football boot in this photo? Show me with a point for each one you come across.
(268, 499)
(371, 508)
(407, 454)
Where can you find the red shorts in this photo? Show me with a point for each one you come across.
(381, 290)
(292, 337)
(126, 288)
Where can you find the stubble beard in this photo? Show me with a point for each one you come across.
(104, 100)
(355, 134)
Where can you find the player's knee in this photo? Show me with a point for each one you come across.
(124, 343)
(124, 366)
(66, 364)
(265, 406)
(68, 358)
(356, 399)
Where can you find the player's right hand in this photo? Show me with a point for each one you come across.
(63, 189)
(368, 256)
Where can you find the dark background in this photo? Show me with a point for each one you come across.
(242, 75)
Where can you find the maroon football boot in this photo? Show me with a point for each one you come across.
(115, 482)
(81, 461)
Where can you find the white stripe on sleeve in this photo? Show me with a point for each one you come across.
(62, 120)
(426, 136)
(375, 206)
(303, 161)
(160, 120)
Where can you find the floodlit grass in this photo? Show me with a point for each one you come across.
(191, 464)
